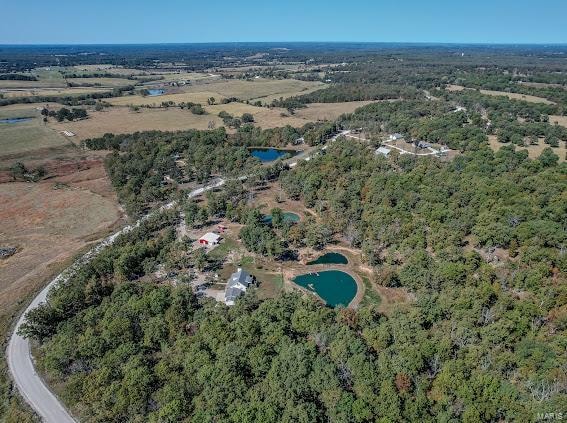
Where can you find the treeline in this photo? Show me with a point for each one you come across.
(16, 77)
(69, 100)
(66, 114)
(349, 92)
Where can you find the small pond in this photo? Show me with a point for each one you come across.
(270, 154)
(336, 288)
(330, 258)
(154, 92)
(287, 216)
(15, 120)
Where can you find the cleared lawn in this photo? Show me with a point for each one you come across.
(533, 150)
(21, 137)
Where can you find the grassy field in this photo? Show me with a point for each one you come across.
(533, 150)
(511, 96)
(55, 92)
(122, 120)
(186, 97)
(263, 117)
(17, 138)
(328, 111)
(103, 82)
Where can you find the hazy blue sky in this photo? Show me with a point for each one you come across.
(178, 21)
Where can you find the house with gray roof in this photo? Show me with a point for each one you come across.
(237, 285)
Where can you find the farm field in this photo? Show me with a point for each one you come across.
(68, 91)
(263, 116)
(533, 150)
(328, 111)
(26, 136)
(122, 120)
(511, 96)
(103, 82)
(187, 97)
(264, 90)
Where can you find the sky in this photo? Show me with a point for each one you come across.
(190, 21)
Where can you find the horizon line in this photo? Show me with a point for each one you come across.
(441, 43)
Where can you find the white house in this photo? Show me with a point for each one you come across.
(237, 285)
(210, 239)
(395, 137)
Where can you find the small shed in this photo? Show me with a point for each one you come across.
(382, 151)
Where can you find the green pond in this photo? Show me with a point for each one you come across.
(330, 258)
(287, 216)
(336, 288)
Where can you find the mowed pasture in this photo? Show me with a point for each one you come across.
(534, 151)
(17, 138)
(511, 96)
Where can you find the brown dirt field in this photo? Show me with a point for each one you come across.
(50, 225)
(328, 111)
(533, 150)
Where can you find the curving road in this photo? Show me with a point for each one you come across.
(20, 361)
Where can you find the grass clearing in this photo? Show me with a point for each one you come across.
(328, 111)
(511, 96)
(121, 120)
(371, 296)
(534, 151)
(55, 92)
